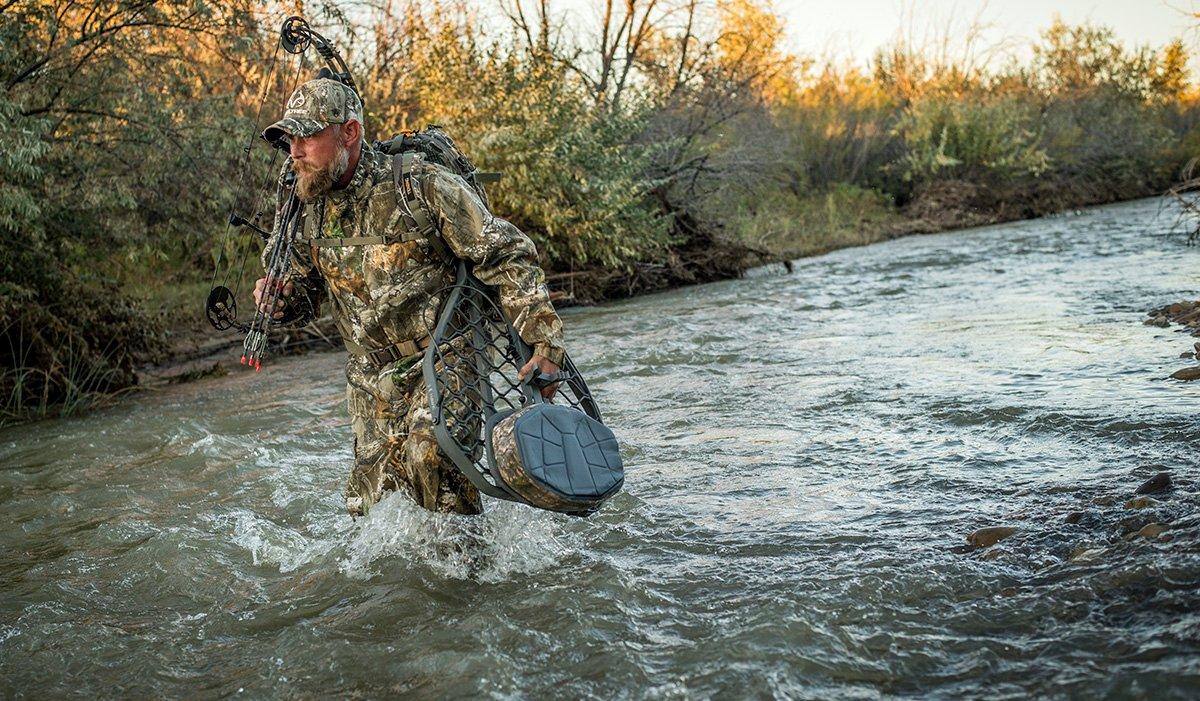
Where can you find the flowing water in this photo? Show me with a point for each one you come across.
(805, 455)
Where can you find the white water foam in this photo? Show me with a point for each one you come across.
(506, 540)
(270, 543)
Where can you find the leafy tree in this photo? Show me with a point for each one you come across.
(109, 110)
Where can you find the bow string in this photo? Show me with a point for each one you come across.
(221, 309)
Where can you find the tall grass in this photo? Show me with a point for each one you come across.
(69, 385)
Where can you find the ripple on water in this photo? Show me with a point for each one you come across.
(806, 455)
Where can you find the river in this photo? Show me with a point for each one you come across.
(805, 455)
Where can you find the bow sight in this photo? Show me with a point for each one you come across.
(220, 308)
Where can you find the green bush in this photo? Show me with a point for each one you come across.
(115, 158)
(572, 177)
(987, 142)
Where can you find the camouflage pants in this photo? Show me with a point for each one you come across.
(396, 450)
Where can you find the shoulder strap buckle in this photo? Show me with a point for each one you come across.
(397, 351)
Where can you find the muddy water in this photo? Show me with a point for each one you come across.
(805, 453)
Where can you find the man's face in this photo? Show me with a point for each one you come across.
(319, 160)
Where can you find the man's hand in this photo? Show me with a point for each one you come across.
(547, 367)
(260, 291)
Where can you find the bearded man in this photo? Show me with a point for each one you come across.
(363, 248)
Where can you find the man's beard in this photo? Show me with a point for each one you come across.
(311, 184)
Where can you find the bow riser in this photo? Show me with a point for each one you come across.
(220, 308)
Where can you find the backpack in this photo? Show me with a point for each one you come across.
(437, 147)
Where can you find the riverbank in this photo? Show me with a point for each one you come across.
(842, 218)
(1186, 315)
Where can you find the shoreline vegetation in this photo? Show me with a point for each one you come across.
(674, 143)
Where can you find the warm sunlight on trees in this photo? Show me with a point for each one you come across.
(750, 51)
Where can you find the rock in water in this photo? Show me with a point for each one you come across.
(1140, 503)
(1187, 374)
(1158, 483)
(1151, 531)
(987, 537)
(1086, 554)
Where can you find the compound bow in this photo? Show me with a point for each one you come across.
(220, 308)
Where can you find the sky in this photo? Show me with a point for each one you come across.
(853, 29)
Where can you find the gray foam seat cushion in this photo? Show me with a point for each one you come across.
(569, 451)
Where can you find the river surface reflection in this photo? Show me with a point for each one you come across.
(805, 456)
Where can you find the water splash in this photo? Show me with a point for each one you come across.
(270, 543)
(505, 541)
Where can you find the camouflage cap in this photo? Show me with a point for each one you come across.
(312, 107)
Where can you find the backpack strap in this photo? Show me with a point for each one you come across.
(310, 223)
(412, 208)
(351, 241)
(413, 211)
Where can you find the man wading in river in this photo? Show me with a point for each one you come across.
(360, 249)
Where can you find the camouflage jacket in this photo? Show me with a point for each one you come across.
(386, 293)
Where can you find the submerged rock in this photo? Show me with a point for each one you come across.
(1132, 524)
(1086, 554)
(1187, 315)
(989, 536)
(1151, 531)
(1158, 483)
